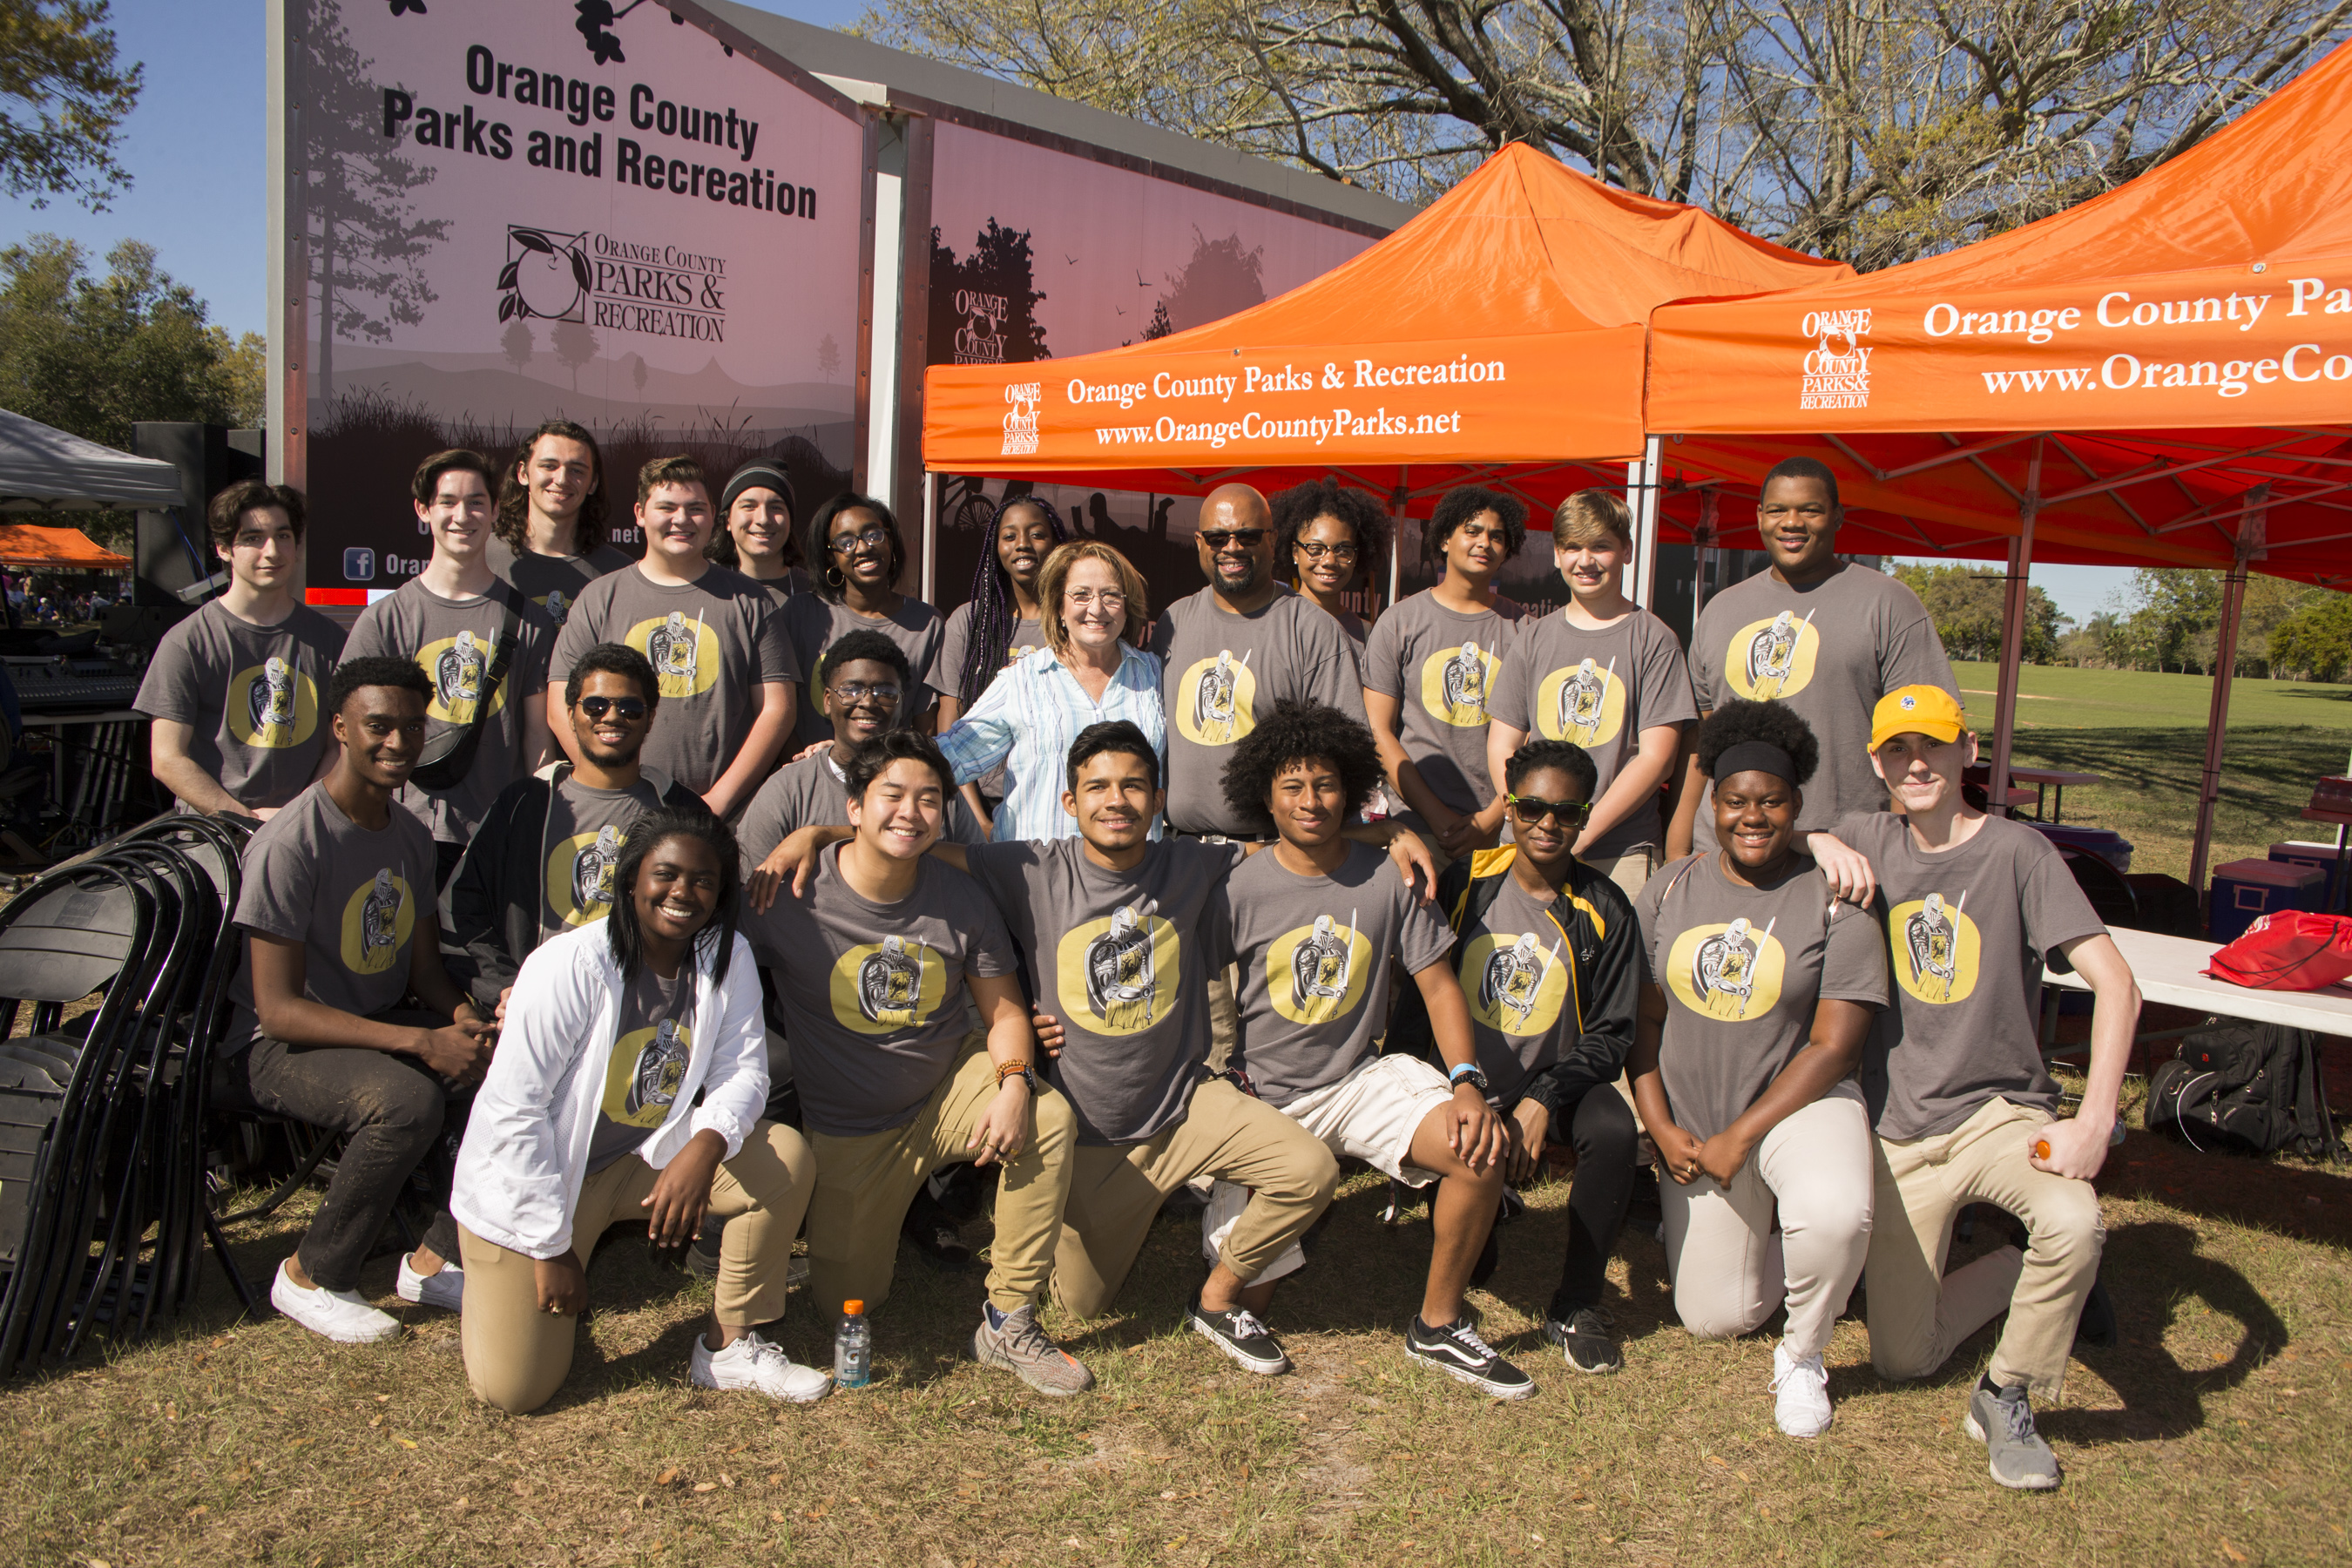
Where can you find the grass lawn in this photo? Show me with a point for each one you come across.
(2213, 1434)
(2145, 734)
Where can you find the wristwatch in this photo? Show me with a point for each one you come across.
(1022, 1070)
(1471, 1073)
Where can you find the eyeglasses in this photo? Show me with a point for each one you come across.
(1218, 538)
(1530, 809)
(855, 691)
(1315, 551)
(1083, 599)
(872, 539)
(627, 710)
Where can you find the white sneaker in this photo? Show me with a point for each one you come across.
(1804, 1410)
(338, 1315)
(445, 1291)
(752, 1362)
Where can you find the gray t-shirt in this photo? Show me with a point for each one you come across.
(253, 695)
(453, 639)
(1830, 652)
(713, 642)
(349, 895)
(553, 582)
(1442, 665)
(946, 673)
(813, 791)
(1314, 955)
(652, 1045)
(813, 625)
(1966, 932)
(580, 849)
(1221, 671)
(873, 995)
(1520, 979)
(1123, 959)
(1742, 969)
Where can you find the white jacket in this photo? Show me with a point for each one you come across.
(525, 1149)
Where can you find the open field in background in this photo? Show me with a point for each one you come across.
(2211, 1434)
(2145, 734)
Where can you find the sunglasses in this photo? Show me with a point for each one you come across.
(629, 710)
(1528, 808)
(1218, 538)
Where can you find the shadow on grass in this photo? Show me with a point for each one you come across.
(2316, 694)
(2291, 1197)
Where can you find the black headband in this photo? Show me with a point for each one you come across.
(1756, 756)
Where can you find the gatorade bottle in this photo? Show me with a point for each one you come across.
(852, 1348)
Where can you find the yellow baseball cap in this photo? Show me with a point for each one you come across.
(1927, 709)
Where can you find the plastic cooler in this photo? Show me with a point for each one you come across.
(2244, 891)
(2108, 845)
(2322, 857)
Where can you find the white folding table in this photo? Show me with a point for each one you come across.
(2172, 970)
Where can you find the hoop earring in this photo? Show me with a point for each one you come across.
(833, 579)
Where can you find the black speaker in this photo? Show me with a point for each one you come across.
(172, 553)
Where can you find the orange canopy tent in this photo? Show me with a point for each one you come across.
(56, 550)
(2161, 376)
(1498, 337)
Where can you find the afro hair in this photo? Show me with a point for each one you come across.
(1301, 732)
(1459, 506)
(1301, 504)
(1774, 723)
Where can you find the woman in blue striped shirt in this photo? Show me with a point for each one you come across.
(1092, 613)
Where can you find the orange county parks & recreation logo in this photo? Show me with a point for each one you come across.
(1837, 367)
(546, 276)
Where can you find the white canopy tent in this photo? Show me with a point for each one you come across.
(43, 469)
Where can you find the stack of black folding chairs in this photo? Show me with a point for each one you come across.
(103, 1217)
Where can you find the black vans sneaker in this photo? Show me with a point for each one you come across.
(1457, 1351)
(1240, 1335)
(1584, 1339)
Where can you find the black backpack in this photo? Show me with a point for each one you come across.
(2253, 1089)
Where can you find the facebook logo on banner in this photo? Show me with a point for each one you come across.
(359, 566)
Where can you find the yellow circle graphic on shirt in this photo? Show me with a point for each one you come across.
(882, 987)
(458, 667)
(647, 1069)
(1729, 972)
(1515, 981)
(377, 919)
(1116, 975)
(1216, 702)
(1936, 947)
(1583, 704)
(272, 704)
(683, 650)
(1318, 973)
(579, 875)
(1455, 682)
(1773, 658)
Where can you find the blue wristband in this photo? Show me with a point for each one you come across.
(1461, 1072)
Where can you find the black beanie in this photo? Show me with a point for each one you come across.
(758, 474)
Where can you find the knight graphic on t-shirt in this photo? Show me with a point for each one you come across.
(555, 604)
(1512, 982)
(1770, 657)
(1936, 960)
(891, 982)
(1321, 966)
(1219, 712)
(1122, 981)
(271, 699)
(671, 648)
(1725, 966)
(1463, 683)
(1583, 703)
(661, 1067)
(379, 919)
(458, 676)
(592, 874)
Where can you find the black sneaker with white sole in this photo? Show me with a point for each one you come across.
(1455, 1350)
(1583, 1338)
(1240, 1335)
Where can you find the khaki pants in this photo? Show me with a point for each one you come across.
(517, 1355)
(1630, 871)
(1225, 1015)
(1730, 1266)
(864, 1185)
(1919, 1314)
(1226, 1135)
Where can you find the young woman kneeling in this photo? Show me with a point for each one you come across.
(1762, 989)
(589, 1117)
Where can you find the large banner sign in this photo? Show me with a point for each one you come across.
(508, 211)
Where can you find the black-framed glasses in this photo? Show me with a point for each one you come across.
(1528, 808)
(1218, 538)
(627, 710)
(1314, 550)
(855, 691)
(847, 544)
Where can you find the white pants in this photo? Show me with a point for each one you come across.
(1730, 1266)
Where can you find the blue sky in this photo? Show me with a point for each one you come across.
(197, 153)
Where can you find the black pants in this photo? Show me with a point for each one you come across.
(1602, 1132)
(392, 1108)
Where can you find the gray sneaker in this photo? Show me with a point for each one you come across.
(2002, 1420)
(1016, 1343)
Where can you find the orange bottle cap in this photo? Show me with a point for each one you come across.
(853, 1309)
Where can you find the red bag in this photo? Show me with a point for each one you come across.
(2293, 950)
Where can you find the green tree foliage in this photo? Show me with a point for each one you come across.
(1966, 604)
(63, 97)
(2316, 641)
(2170, 618)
